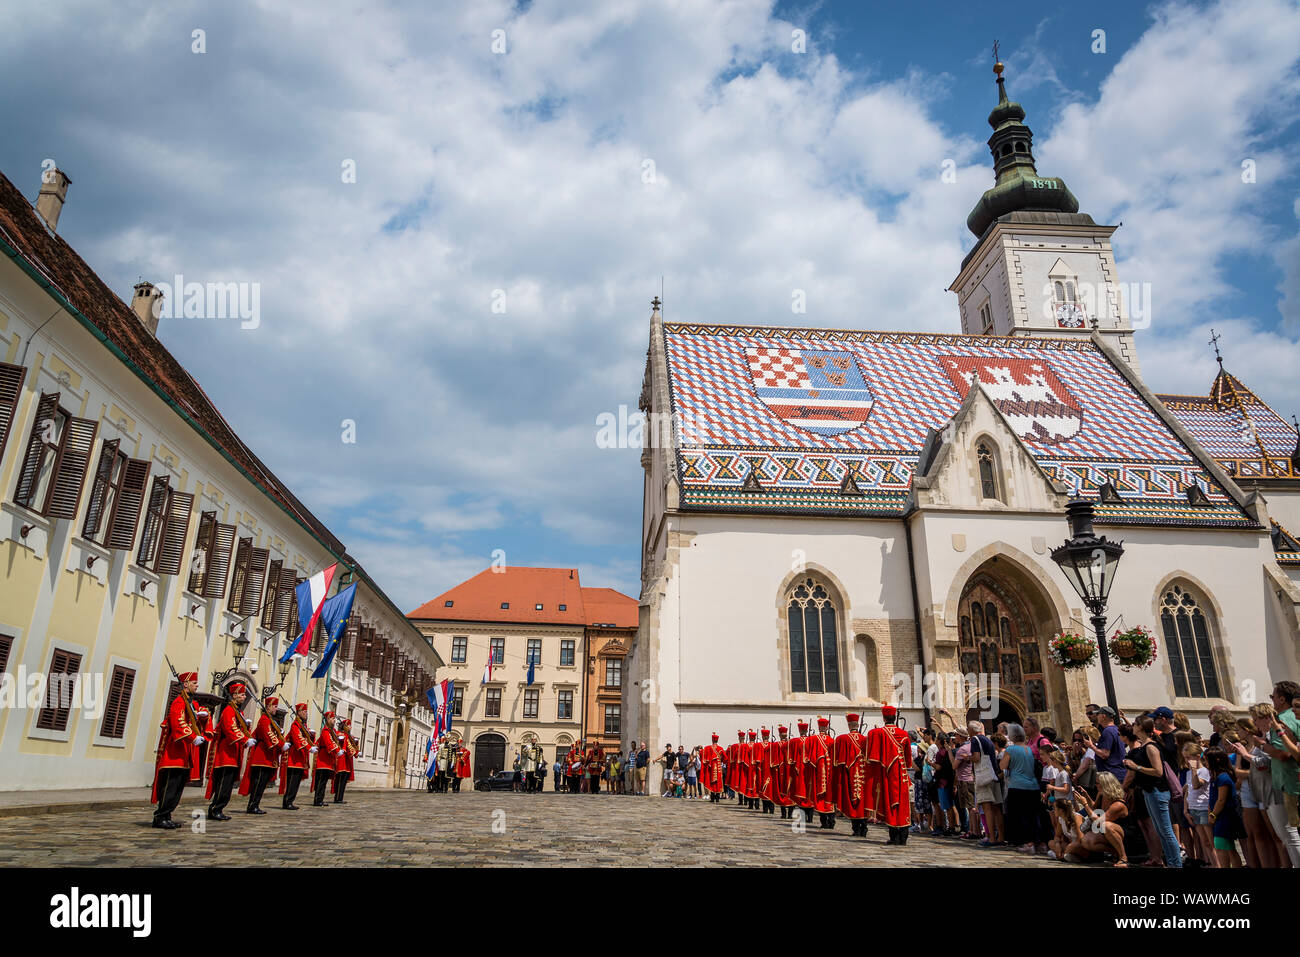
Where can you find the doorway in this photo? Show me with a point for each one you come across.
(489, 755)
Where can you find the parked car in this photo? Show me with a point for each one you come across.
(501, 781)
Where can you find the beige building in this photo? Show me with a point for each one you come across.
(848, 517)
(136, 527)
(518, 616)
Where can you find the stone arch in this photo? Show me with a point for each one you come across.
(838, 594)
(1219, 644)
(1034, 609)
(866, 668)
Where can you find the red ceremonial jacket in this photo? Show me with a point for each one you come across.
(711, 768)
(733, 766)
(763, 764)
(176, 747)
(299, 754)
(462, 763)
(265, 754)
(797, 787)
(888, 755)
(327, 749)
(231, 731)
(781, 773)
(817, 772)
(850, 775)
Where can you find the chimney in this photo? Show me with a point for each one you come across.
(49, 202)
(146, 304)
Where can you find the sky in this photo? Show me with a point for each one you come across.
(456, 214)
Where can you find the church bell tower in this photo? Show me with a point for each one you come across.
(1039, 267)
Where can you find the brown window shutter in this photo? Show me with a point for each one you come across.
(11, 387)
(364, 643)
(54, 715)
(126, 515)
(285, 605)
(6, 646)
(240, 574)
(272, 594)
(119, 703)
(70, 470)
(46, 409)
(251, 601)
(202, 543)
(99, 490)
(154, 516)
(348, 649)
(218, 570)
(171, 553)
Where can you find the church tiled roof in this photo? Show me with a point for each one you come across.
(1245, 435)
(832, 421)
(1286, 547)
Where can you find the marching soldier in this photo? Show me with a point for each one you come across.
(749, 757)
(888, 754)
(850, 778)
(711, 770)
(573, 762)
(462, 769)
(818, 749)
(343, 767)
(734, 767)
(232, 737)
(326, 751)
(537, 757)
(595, 766)
(527, 766)
(297, 757)
(263, 759)
(764, 763)
(178, 758)
(801, 773)
(781, 776)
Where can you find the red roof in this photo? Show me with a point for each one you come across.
(611, 608)
(558, 591)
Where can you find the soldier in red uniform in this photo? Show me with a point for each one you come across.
(735, 768)
(232, 737)
(800, 773)
(781, 776)
(326, 751)
(763, 764)
(711, 770)
(818, 750)
(297, 757)
(178, 759)
(343, 767)
(573, 762)
(748, 771)
(595, 766)
(462, 768)
(851, 776)
(889, 754)
(263, 759)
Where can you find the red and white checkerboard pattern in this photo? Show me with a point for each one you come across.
(778, 369)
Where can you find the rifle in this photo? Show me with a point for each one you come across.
(190, 716)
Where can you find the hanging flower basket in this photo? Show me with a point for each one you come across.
(1072, 650)
(1133, 649)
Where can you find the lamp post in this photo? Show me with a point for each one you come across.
(1089, 562)
(240, 645)
(282, 668)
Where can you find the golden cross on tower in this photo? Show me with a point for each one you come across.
(1214, 341)
(995, 51)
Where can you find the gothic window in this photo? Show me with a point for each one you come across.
(1059, 287)
(988, 480)
(814, 644)
(986, 318)
(1187, 634)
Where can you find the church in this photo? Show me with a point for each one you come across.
(837, 519)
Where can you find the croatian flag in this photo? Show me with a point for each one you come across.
(448, 703)
(487, 671)
(311, 596)
(334, 616)
(436, 695)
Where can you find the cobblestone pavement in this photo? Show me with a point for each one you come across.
(414, 829)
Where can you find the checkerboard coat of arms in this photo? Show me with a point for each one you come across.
(1026, 391)
(821, 391)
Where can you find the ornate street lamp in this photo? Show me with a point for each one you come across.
(282, 669)
(240, 645)
(1089, 562)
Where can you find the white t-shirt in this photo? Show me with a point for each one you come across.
(1198, 794)
(1056, 776)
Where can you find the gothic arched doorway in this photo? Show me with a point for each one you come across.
(489, 755)
(991, 714)
(1004, 619)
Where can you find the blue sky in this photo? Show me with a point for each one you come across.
(519, 179)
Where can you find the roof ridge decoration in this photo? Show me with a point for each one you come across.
(1072, 343)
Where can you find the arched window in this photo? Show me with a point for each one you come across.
(1060, 291)
(814, 640)
(1187, 632)
(1069, 292)
(988, 483)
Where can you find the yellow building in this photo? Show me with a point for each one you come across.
(136, 528)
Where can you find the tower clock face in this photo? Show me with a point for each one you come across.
(1069, 315)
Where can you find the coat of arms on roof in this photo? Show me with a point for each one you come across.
(1026, 391)
(822, 391)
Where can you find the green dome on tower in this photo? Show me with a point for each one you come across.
(1018, 186)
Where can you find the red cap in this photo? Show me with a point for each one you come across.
(742, 735)
(329, 714)
(752, 735)
(188, 676)
(781, 729)
(715, 736)
(236, 687)
(272, 702)
(766, 732)
(803, 725)
(889, 711)
(823, 722)
(851, 718)
(301, 706)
